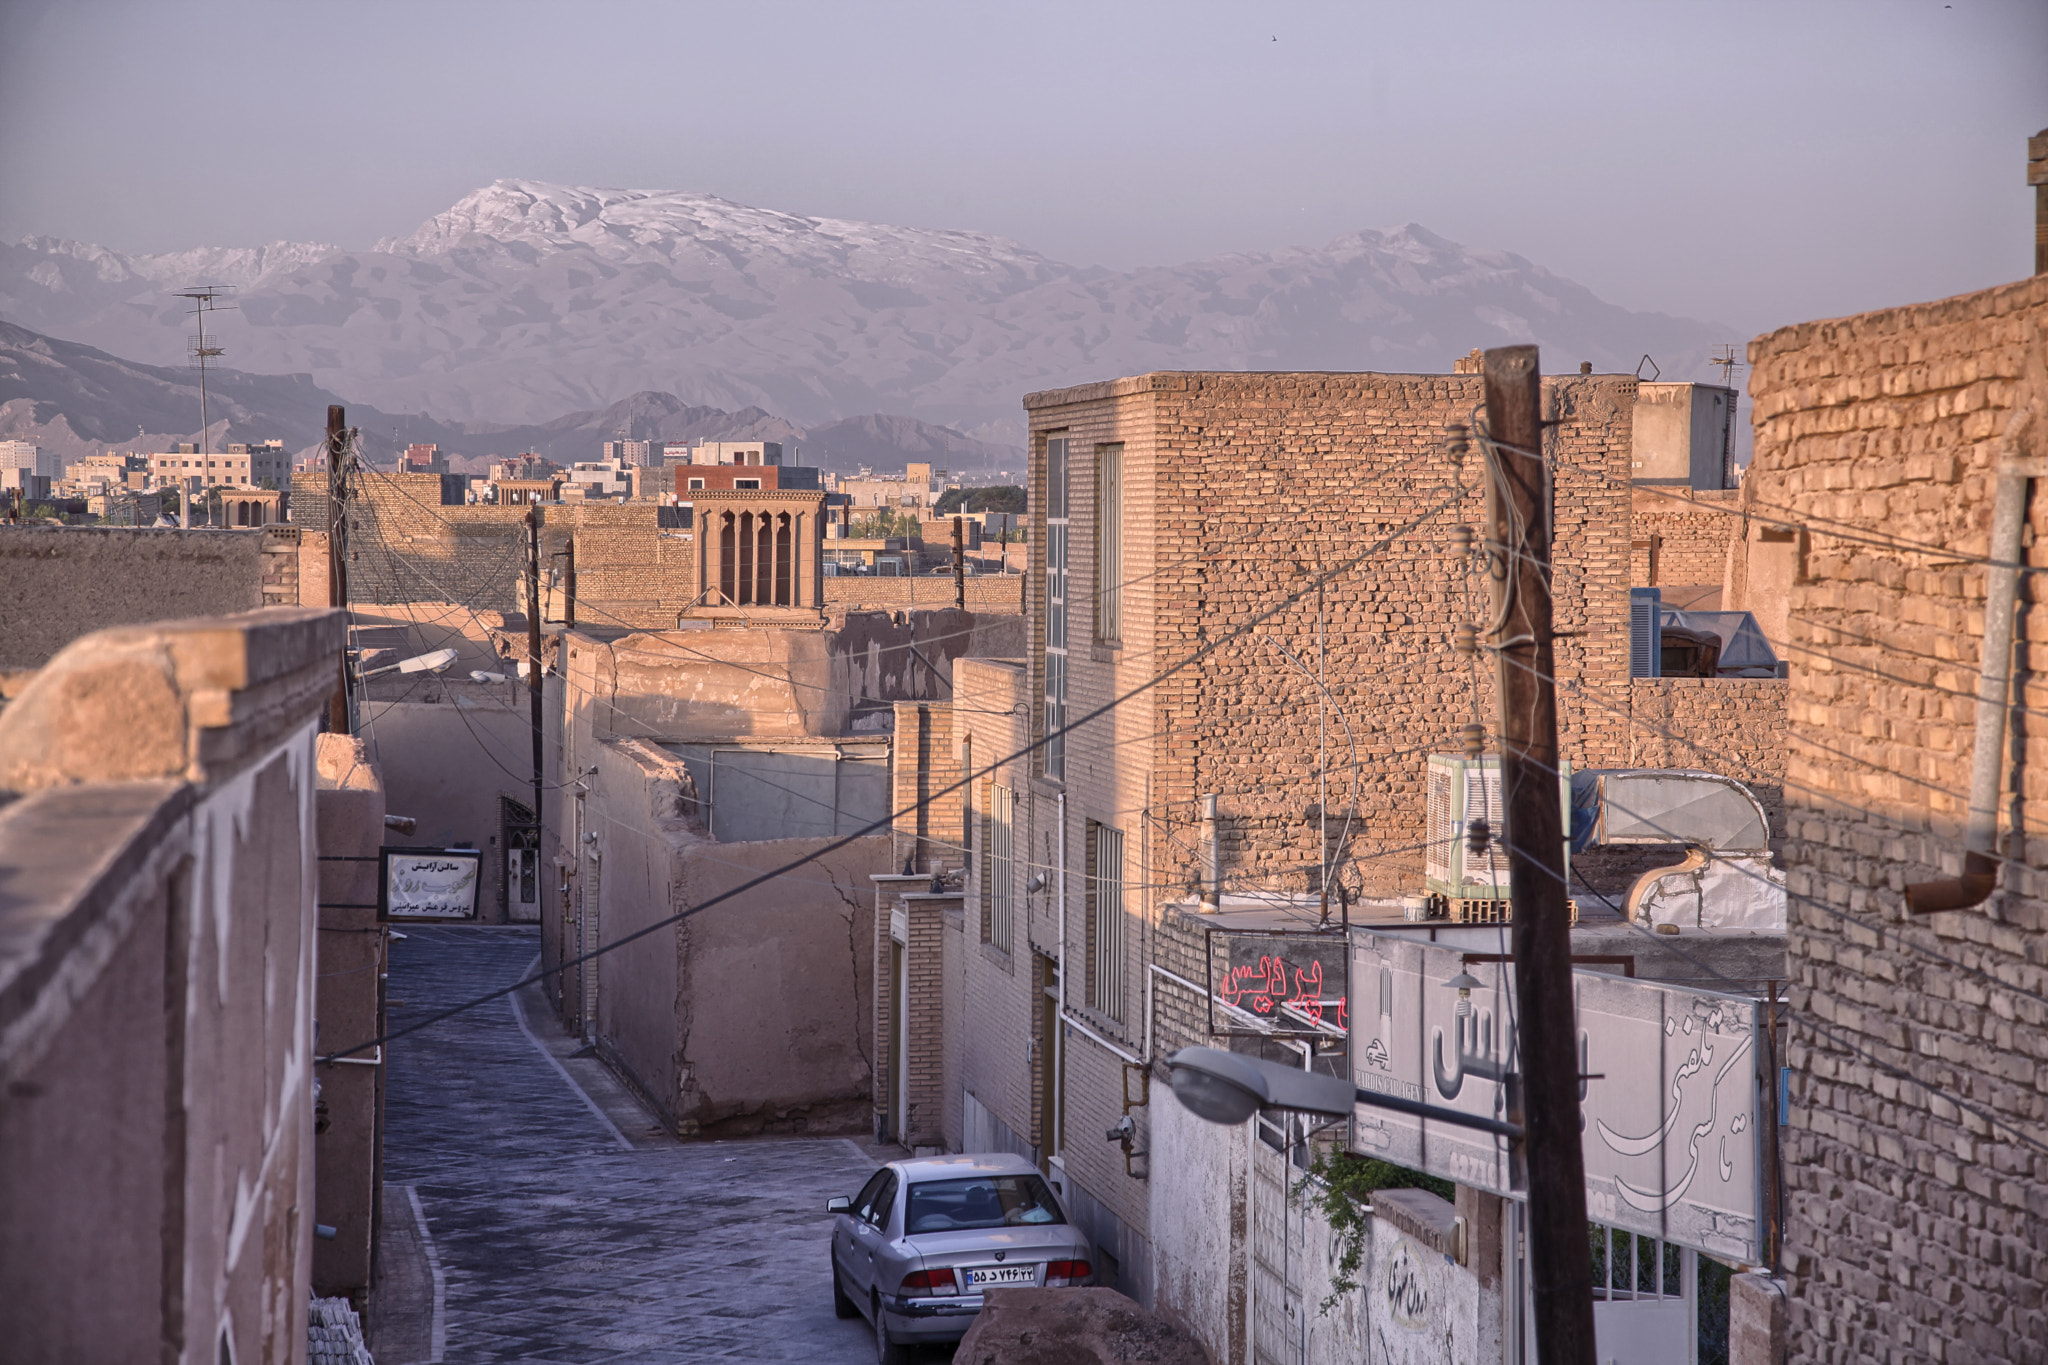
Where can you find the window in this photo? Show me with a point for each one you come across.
(998, 889)
(983, 1201)
(1109, 543)
(746, 483)
(696, 483)
(1106, 920)
(878, 1200)
(1056, 526)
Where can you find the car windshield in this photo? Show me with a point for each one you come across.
(982, 1201)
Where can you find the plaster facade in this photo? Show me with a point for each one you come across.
(157, 992)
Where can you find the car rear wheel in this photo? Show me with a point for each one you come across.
(887, 1352)
(842, 1307)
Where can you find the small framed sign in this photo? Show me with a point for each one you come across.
(430, 883)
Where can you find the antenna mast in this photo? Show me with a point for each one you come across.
(204, 300)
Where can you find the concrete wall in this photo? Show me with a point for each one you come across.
(156, 993)
(1916, 1187)
(64, 582)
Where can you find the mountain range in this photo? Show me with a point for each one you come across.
(77, 399)
(528, 300)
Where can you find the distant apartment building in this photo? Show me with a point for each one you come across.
(24, 485)
(917, 490)
(523, 468)
(630, 453)
(424, 459)
(252, 464)
(597, 479)
(31, 457)
(757, 454)
(696, 477)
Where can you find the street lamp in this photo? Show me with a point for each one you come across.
(1229, 1087)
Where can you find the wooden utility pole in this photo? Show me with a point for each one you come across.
(1518, 515)
(338, 707)
(959, 562)
(533, 668)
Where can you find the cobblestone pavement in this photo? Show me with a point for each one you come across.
(557, 1241)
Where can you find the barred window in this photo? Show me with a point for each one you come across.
(1109, 543)
(1106, 920)
(998, 870)
(1056, 527)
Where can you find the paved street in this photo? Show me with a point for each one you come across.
(566, 1228)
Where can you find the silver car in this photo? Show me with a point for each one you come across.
(914, 1250)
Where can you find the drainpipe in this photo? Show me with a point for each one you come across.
(1060, 896)
(1212, 840)
(1994, 689)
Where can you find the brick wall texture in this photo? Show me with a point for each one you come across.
(1731, 726)
(405, 546)
(864, 592)
(1917, 1152)
(1681, 537)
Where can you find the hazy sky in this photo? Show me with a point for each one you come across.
(1750, 164)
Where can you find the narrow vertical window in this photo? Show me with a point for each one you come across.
(1106, 920)
(1056, 527)
(997, 889)
(1109, 543)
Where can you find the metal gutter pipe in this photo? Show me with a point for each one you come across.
(1212, 836)
(1994, 690)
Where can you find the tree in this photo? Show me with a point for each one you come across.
(999, 498)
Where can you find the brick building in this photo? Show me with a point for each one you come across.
(1172, 508)
(1917, 1175)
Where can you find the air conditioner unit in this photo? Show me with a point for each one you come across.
(1458, 791)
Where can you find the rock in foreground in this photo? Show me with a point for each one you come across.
(1073, 1327)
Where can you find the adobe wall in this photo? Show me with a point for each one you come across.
(867, 592)
(1731, 726)
(1917, 1187)
(157, 964)
(1680, 536)
(64, 582)
(631, 573)
(752, 1017)
(349, 815)
(447, 764)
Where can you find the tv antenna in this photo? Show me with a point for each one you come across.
(1729, 364)
(205, 299)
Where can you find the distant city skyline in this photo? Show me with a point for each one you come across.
(1747, 164)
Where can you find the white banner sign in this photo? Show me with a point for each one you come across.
(1668, 1095)
(431, 883)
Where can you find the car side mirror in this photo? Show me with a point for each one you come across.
(839, 1205)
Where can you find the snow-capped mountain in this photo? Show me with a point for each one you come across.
(525, 300)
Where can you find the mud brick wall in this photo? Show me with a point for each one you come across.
(1681, 537)
(405, 546)
(1731, 726)
(280, 566)
(1916, 1176)
(862, 592)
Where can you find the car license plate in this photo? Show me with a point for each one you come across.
(1001, 1274)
